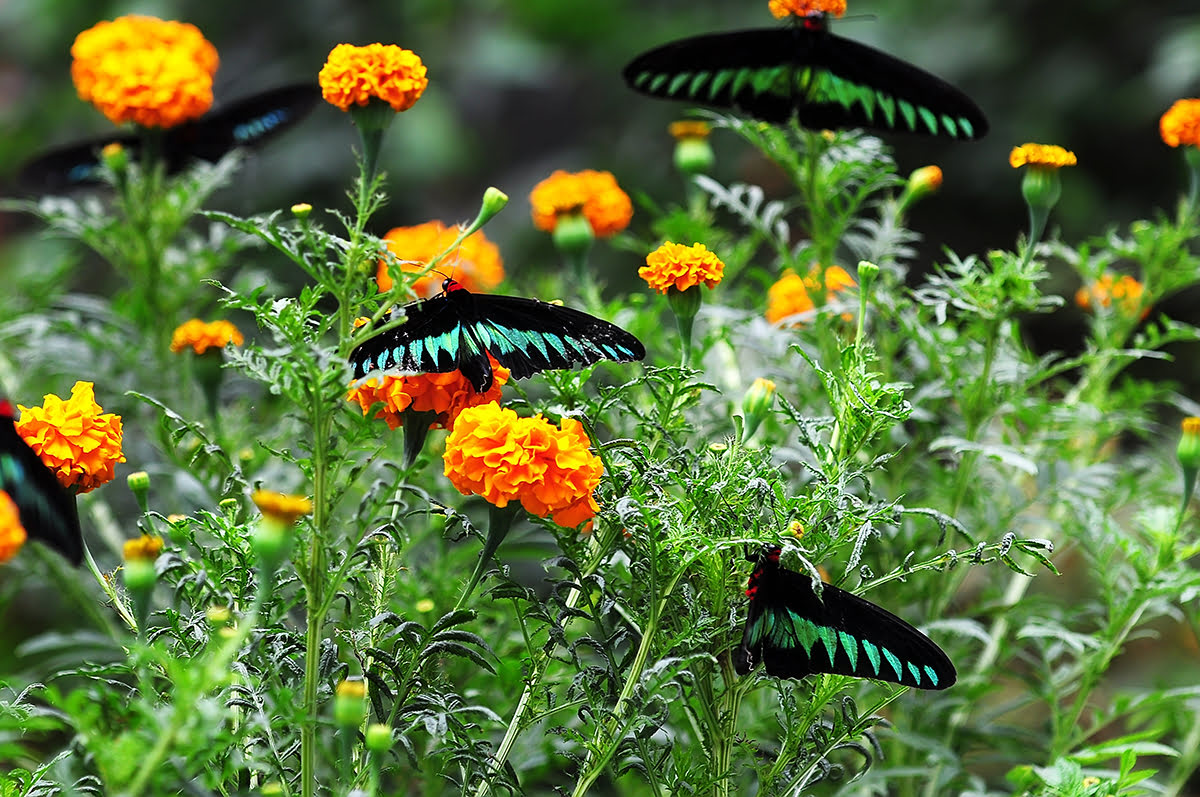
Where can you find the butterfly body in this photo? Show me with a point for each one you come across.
(47, 510)
(248, 122)
(457, 329)
(806, 71)
(796, 633)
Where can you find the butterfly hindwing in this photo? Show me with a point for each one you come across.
(795, 634)
(457, 329)
(805, 71)
(47, 510)
(248, 122)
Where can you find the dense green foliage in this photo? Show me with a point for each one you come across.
(1024, 509)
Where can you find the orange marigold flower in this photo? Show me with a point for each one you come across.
(494, 453)
(154, 72)
(353, 75)
(12, 533)
(681, 267)
(689, 128)
(792, 294)
(476, 262)
(1048, 156)
(1125, 291)
(286, 509)
(203, 335)
(607, 208)
(800, 8)
(144, 549)
(74, 439)
(446, 394)
(1180, 125)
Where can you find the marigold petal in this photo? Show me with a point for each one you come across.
(782, 8)
(1049, 156)
(203, 335)
(475, 263)
(1180, 125)
(446, 394)
(607, 208)
(681, 267)
(12, 533)
(353, 75)
(153, 72)
(79, 443)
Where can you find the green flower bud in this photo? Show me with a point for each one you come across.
(350, 703)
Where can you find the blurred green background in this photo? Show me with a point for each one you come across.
(519, 88)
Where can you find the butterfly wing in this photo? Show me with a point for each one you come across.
(795, 634)
(457, 330)
(46, 509)
(824, 80)
(527, 335)
(246, 123)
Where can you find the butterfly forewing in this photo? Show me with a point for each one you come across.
(46, 509)
(246, 123)
(824, 80)
(795, 633)
(458, 329)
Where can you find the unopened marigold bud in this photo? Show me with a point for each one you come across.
(693, 152)
(350, 703)
(379, 737)
(218, 616)
(756, 405)
(573, 235)
(115, 157)
(494, 201)
(921, 183)
(139, 485)
(301, 210)
(1188, 451)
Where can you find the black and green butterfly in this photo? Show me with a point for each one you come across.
(248, 122)
(46, 509)
(805, 71)
(457, 329)
(795, 633)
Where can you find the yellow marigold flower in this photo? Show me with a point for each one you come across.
(1049, 156)
(286, 509)
(12, 533)
(800, 8)
(1180, 125)
(1125, 291)
(74, 439)
(689, 128)
(203, 335)
(792, 294)
(681, 267)
(144, 549)
(607, 208)
(353, 75)
(446, 394)
(476, 263)
(153, 72)
(494, 453)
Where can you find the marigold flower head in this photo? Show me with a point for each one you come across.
(1180, 125)
(203, 335)
(154, 72)
(1048, 156)
(792, 294)
(689, 128)
(286, 509)
(353, 75)
(681, 267)
(476, 262)
(1125, 291)
(145, 548)
(1188, 450)
(596, 194)
(12, 533)
(494, 453)
(800, 8)
(446, 394)
(78, 442)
